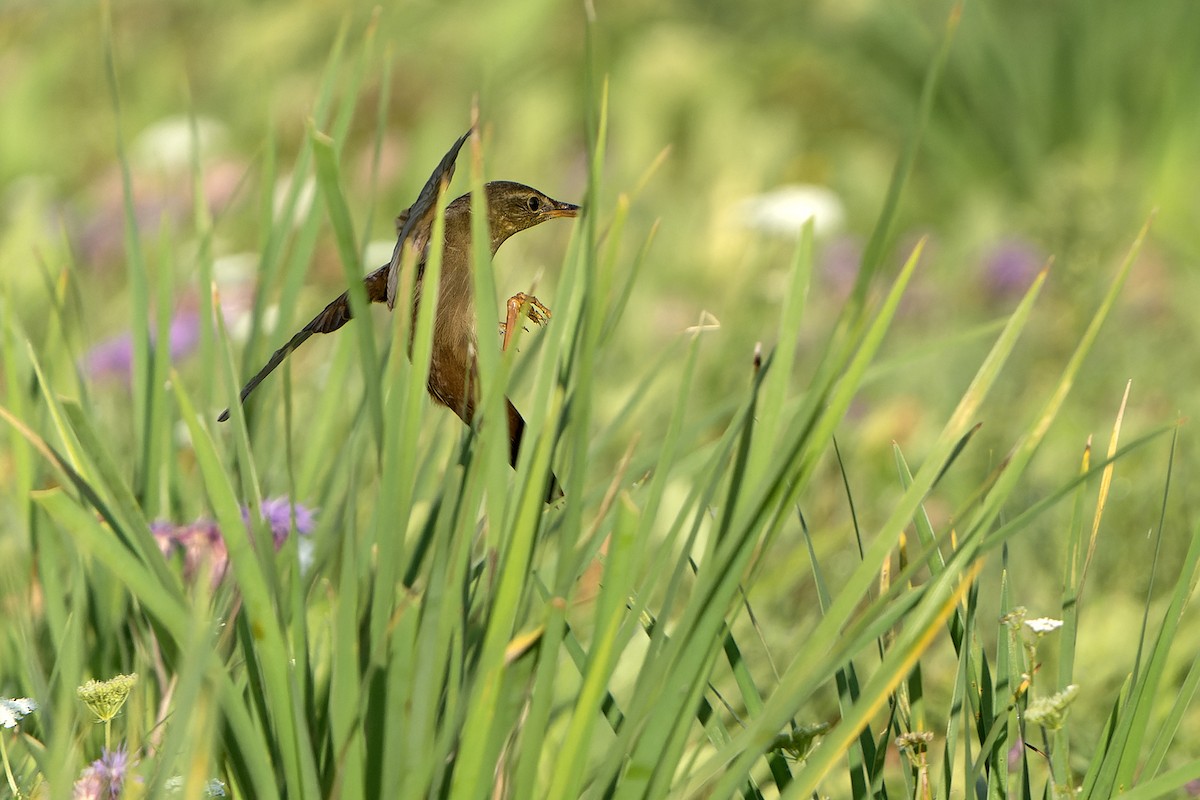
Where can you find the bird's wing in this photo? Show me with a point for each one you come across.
(420, 214)
(334, 316)
(414, 224)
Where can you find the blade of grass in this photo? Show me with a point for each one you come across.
(173, 615)
(279, 225)
(920, 627)
(259, 605)
(1124, 753)
(607, 645)
(134, 258)
(798, 682)
(329, 184)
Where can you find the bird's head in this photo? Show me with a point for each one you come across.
(513, 207)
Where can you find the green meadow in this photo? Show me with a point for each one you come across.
(867, 379)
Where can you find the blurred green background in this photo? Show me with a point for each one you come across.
(1057, 130)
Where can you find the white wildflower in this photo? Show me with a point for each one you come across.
(1044, 625)
(13, 709)
(785, 210)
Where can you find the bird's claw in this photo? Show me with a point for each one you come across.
(533, 308)
(528, 305)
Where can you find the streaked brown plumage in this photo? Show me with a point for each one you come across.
(453, 375)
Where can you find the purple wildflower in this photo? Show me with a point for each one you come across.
(840, 261)
(105, 777)
(114, 357)
(116, 764)
(203, 545)
(184, 335)
(164, 536)
(1009, 266)
(1016, 753)
(277, 511)
(110, 358)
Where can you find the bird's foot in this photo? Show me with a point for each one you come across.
(523, 304)
(530, 306)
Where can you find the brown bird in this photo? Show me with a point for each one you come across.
(453, 373)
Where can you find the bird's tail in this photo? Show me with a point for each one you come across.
(275, 361)
(334, 316)
(516, 432)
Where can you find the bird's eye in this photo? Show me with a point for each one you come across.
(534, 204)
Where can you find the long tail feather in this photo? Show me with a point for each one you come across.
(333, 317)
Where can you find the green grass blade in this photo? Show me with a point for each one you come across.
(799, 680)
(329, 184)
(607, 645)
(262, 613)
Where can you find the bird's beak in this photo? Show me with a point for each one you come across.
(561, 209)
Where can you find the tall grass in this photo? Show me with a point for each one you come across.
(453, 636)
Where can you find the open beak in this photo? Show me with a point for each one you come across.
(561, 209)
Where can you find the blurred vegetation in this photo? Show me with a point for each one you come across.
(1057, 130)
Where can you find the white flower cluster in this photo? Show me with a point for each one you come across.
(1044, 625)
(12, 710)
(784, 211)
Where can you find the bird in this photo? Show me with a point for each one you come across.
(453, 372)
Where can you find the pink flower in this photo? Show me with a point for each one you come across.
(202, 543)
(105, 777)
